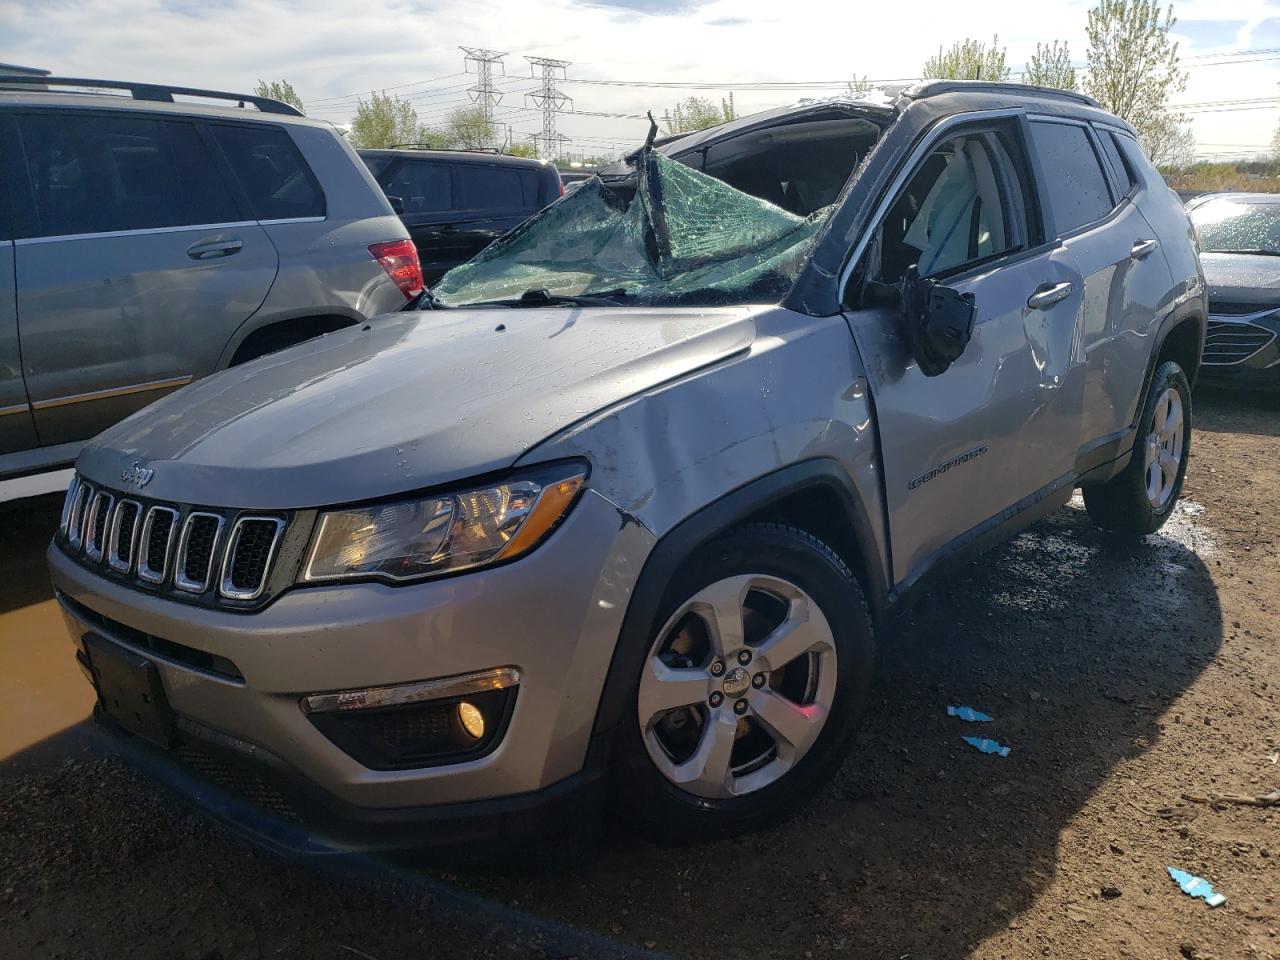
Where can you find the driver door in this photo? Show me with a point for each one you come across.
(996, 431)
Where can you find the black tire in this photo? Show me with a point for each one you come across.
(1121, 505)
(660, 808)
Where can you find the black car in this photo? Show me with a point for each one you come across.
(455, 203)
(1240, 252)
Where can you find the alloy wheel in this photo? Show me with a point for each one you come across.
(1163, 454)
(738, 686)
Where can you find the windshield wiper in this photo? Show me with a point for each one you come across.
(543, 298)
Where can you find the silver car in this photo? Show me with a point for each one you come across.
(622, 511)
(145, 243)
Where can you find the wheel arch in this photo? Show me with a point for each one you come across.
(1180, 338)
(817, 496)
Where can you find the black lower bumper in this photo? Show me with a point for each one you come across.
(256, 795)
(1240, 376)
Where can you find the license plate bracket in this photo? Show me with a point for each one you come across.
(130, 691)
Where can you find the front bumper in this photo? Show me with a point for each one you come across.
(554, 615)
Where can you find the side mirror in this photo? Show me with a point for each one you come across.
(939, 322)
(396, 204)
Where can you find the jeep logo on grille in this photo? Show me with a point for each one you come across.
(138, 475)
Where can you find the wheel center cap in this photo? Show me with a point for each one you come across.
(736, 681)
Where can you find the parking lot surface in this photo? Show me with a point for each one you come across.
(1132, 684)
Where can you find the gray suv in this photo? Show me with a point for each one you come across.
(145, 243)
(621, 512)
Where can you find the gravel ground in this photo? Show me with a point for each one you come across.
(1127, 680)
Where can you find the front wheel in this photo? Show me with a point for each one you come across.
(1141, 497)
(749, 693)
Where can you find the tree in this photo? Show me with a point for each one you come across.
(698, 113)
(467, 128)
(281, 90)
(968, 60)
(383, 121)
(858, 85)
(1134, 70)
(1050, 66)
(523, 150)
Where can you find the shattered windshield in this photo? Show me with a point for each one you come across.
(684, 237)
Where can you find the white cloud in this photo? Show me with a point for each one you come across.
(329, 48)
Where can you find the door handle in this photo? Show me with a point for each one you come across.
(1143, 249)
(1047, 295)
(212, 249)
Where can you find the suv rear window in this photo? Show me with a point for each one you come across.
(1118, 163)
(422, 185)
(98, 174)
(1074, 182)
(278, 182)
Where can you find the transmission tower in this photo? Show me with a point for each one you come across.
(484, 93)
(551, 100)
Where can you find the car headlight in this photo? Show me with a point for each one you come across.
(442, 533)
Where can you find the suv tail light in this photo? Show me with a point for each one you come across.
(400, 259)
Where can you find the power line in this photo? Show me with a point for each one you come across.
(398, 86)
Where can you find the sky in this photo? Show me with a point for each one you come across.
(334, 50)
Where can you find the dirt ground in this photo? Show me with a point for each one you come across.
(1125, 680)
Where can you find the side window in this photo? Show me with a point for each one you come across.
(95, 174)
(421, 185)
(955, 210)
(208, 196)
(1075, 186)
(1118, 163)
(479, 187)
(278, 182)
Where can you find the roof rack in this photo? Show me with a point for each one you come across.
(933, 88)
(430, 146)
(156, 92)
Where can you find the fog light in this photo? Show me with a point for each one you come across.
(472, 719)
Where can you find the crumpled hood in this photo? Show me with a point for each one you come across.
(409, 401)
(1241, 278)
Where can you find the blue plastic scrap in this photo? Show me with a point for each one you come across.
(987, 746)
(968, 713)
(1194, 886)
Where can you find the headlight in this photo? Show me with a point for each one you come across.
(443, 533)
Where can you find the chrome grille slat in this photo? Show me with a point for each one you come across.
(1230, 342)
(123, 539)
(194, 566)
(204, 556)
(247, 559)
(75, 523)
(73, 490)
(167, 517)
(95, 525)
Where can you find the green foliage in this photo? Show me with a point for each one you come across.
(1050, 66)
(281, 90)
(383, 121)
(1255, 176)
(523, 150)
(968, 60)
(1133, 71)
(466, 128)
(698, 113)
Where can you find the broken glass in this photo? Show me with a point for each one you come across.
(683, 237)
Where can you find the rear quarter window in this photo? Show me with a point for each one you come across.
(271, 170)
(1074, 185)
(1124, 174)
(480, 187)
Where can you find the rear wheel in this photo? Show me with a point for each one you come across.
(1143, 495)
(750, 690)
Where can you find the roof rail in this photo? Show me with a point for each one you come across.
(157, 92)
(430, 146)
(933, 88)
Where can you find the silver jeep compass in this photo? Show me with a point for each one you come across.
(618, 515)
